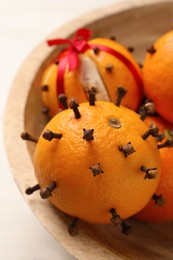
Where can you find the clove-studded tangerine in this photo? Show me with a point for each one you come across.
(106, 65)
(95, 171)
(160, 207)
(158, 75)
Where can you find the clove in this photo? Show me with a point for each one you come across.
(167, 143)
(127, 149)
(151, 173)
(126, 229)
(159, 200)
(115, 219)
(109, 68)
(96, 169)
(147, 109)
(92, 95)
(121, 91)
(72, 228)
(153, 131)
(49, 135)
(63, 99)
(47, 191)
(96, 50)
(73, 104)
(45, 88)
(88, 134)
(151, 49)
(27, 137)
(32, 189)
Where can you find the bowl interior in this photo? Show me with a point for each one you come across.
(138, 27)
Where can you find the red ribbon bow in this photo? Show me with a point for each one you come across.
(77, 45)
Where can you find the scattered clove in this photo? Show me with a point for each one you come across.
(30, 190)
(27, 137)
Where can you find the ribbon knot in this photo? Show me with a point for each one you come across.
(77, 45)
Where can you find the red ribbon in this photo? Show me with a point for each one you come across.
(78, 45)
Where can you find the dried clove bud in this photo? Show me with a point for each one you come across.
(140, 65)
(27, 137)
(159, 200)
(151, 173)
(92, 95)
(147, 109)
(30, 190)
(113, 38)
(47, 191)
(167, 143)
(115, 219)
(109, 68)
(49, 135)
(127, 149)
(73, 104)
(88, 134)
(45, 88)
(121, 91)
(151, 49)
(96, 50)
(153, 131)
(72, 228)
(63, 99)
(160, 137)
(96, 169)
(126, 229)
(131, 49)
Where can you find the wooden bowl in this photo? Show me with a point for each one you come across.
(133, 23)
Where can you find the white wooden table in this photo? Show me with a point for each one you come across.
(23, 25)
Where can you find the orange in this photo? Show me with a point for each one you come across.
(158, 76)
(99, 69)
(94, 162)
(152, 212)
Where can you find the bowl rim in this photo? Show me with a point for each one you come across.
(16, 108)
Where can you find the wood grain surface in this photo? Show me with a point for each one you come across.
(134, 23)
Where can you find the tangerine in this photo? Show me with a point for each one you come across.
(152, 212)
(97, 68)
(92, 160)
(158, 75)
